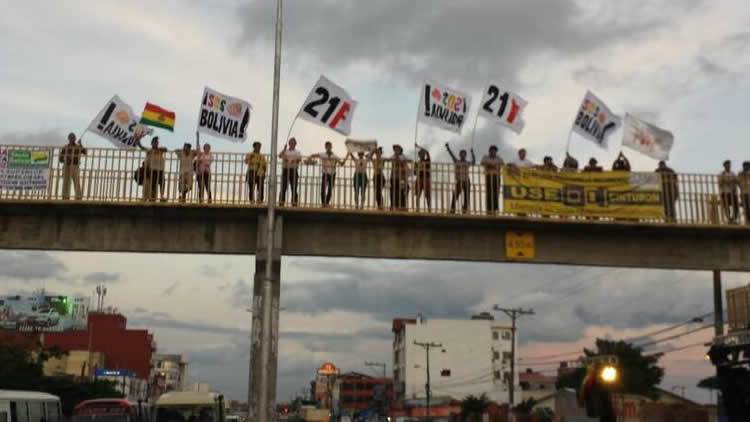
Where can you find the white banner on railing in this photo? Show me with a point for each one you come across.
(118, 124)
(24, 169)
(223, 116)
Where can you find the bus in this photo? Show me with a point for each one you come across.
(29, 406)
(189, 407)
(110, 410)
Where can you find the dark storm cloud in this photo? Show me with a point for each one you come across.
(454, 40)
(31, 266)
(101, 277)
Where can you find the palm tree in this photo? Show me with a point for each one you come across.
(473, 406)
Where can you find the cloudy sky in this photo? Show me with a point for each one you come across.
(681, 64)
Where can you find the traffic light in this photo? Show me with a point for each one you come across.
(595, 393)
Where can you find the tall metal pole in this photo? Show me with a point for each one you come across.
(427, 389)
(264, 399)
(718, 306)
(513, 314)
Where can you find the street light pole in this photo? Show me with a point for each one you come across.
(513, 313)
(264, 394)
(428, 391)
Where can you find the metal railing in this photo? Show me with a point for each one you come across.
(108, 176)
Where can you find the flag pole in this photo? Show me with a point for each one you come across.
(474, 130)
(567, 146)
(290, 129)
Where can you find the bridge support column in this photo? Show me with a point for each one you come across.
(718, 305)
(262, 376)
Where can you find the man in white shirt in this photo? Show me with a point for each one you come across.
(328, 161)
(492, 164)
(728, 184)
(521, 161)
(290, 159)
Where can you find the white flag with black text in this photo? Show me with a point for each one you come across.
(329, 105)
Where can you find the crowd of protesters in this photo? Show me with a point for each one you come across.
(405, 174)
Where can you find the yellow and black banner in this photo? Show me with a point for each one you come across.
(603, 194)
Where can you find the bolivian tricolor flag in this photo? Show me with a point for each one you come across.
(153, 115)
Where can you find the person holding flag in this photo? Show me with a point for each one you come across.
(70, 158)
(186, 157)
(290, 160)
(422, 168)
(203, 169)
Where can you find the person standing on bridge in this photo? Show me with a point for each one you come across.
(621, 163)
(423, 171)
(461, 173)
(360, 176)
(570, 165)
(743, 179)
(256, 172)
(328, 161)
(593, 166)
(186, 158)
(203, 171)
(379, 164)
(153, 170)
(492, 164)
(70, 158)
(290, 160)
(670, 191)
(728, 191)
(521, 161)
(399, 178)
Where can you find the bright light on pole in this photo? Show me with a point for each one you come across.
(609, 374)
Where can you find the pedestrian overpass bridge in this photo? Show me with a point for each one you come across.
(110, 215)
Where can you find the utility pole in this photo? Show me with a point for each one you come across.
(427, 390)
(377, 364)
(513, 314)
(718, 305)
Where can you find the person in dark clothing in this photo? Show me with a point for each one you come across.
(423, 170)
(621, 163)
(461, 171)
(670, 191)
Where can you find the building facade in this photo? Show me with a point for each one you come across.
(170, 371)
(354, 392)
(77, 363)
(474, 358)
(322, 386)
(126, 382)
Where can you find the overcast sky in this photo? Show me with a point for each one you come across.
(681, 64)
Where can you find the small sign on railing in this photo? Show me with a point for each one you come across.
(519, 245)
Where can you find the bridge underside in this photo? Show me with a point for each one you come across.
(331, 233)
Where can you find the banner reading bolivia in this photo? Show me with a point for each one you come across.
(618, 194)
(153, 115)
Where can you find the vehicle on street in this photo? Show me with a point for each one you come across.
(189, 407)
(29, 406)
(111, 410)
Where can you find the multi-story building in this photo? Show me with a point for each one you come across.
(353, 392)
(126, 382)
(322, 386)
(473, 358)
(77, 363)
(170, 368)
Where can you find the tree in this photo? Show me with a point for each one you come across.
(473, 406)
(710, 383)
(637, 373)
(525, 407)
(21, 368)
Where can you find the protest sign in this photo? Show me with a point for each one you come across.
(223, 116)
(118, 124)
(24, 169)
(443, 107)
(329, 105)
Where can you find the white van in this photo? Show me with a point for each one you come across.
(188, 407)
(29, 406)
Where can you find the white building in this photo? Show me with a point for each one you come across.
(473, 359)
(171, 368)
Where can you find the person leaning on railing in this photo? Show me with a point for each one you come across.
(728, 192)
(290, 160)
(492, 164)
(743, 178)
(153, 170)
(186, 157)
(256, 172)
(360, 176)
(329, 161)
(70, 158)
(670, 191)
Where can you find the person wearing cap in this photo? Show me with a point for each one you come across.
(670, 191)
(256, 172)
(743, 179)
(70, 158)
(399, 178)
(328, 161)
(492, 165)
(290, 160)
(461, 174)
(728, 191)
(186, 157)
(593, 166)
(153, 170)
